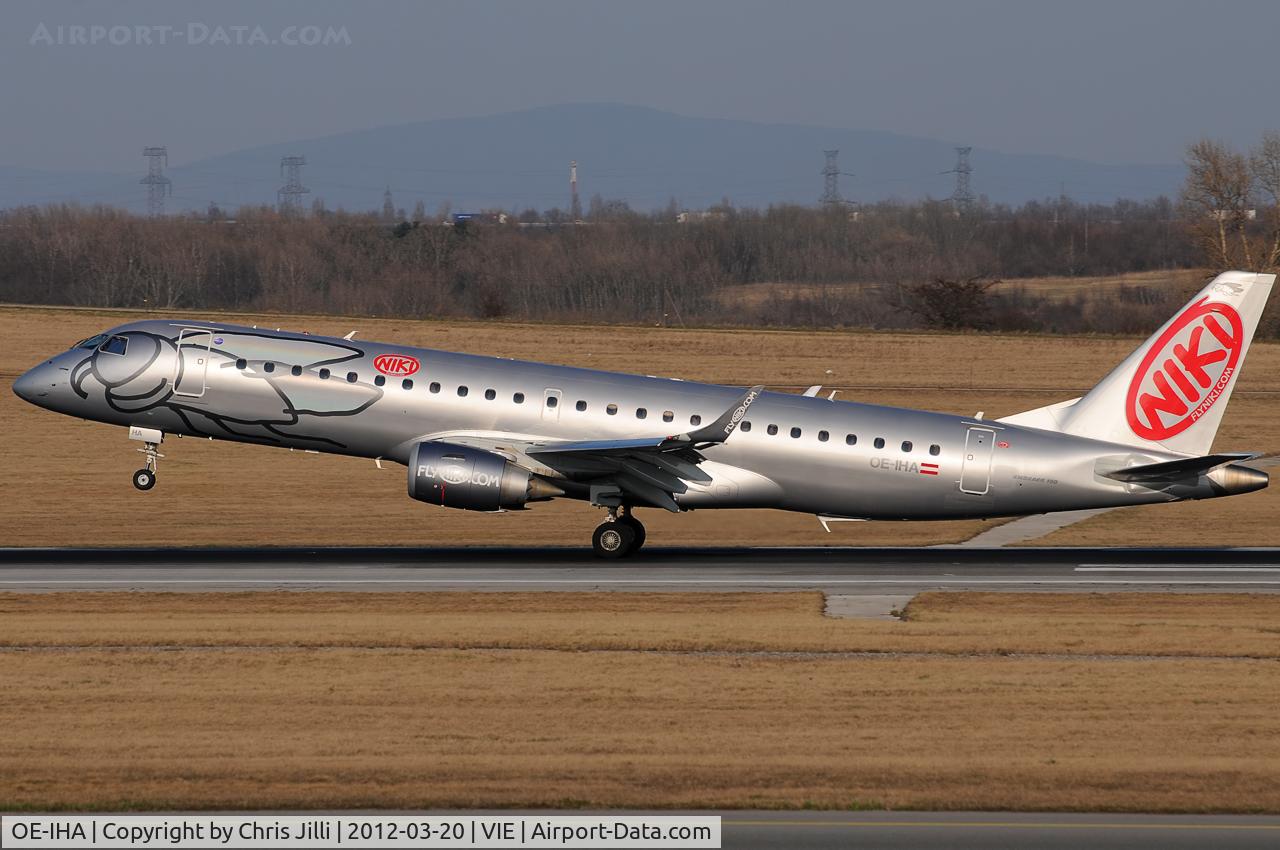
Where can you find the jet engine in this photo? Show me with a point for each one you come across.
(472, 479)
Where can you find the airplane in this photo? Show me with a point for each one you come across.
(494, 434)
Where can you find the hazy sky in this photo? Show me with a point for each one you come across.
(1109, 81)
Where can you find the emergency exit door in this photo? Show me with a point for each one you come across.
(975, 470)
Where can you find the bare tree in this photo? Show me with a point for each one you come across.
(1265, 165)
(1215, 199)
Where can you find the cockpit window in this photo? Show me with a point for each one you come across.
(91, 342)
(115, 345)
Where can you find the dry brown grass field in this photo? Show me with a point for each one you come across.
(280, 700)
(66, 482)
(1054, 288)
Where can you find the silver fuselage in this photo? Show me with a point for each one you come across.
(204, 379)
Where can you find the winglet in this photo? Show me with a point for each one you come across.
(719, 431)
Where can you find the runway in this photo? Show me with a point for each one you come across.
(843, 571)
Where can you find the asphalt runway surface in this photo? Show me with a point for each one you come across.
(845, 571)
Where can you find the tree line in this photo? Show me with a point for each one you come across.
(887, 265)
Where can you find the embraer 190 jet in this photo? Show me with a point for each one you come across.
(493, 434)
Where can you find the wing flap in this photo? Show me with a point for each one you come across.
(652, 470)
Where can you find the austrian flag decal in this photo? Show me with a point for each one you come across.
(396, 365)
(1186, 371)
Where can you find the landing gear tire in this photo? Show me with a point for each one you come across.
(613, 540)
(145, 478)
(637, 528)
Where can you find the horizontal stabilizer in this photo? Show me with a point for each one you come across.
(1184, 468)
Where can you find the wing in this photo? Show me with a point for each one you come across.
(646, 470)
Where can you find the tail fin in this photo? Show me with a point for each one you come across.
(1171, 393)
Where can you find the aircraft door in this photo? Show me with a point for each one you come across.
(975, 470)
(551, 399)
(193, 362)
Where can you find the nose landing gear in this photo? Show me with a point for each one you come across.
(145, 478)
(618, 536)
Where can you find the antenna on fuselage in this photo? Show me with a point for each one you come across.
(351, 335)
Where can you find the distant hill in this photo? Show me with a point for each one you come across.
(644, 156)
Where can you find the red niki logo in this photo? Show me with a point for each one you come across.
(1186, 371)
(396, 364)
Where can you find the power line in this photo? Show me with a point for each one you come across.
(158, 186)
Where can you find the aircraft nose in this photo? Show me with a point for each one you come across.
(34, 384)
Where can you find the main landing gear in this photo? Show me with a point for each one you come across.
(145, 478)
(618, 536)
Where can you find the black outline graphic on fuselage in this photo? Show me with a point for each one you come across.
(163, 395)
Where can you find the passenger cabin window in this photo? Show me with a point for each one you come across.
(379, 380)
(406, 384)
(611, 409)
(745, 426)
(935, 450)
(850, 439)
(823, 436)
(580, 406)
(518, 398)
(667, 416)
(906, 445)
(242, 363)
(268, 366)
(772, 429)
(641, 413)
(695, 419)
(552, 401)
(462, 391)
(115, 345)
(490, 394)
(296, 371)
(795, 433)
(352, 377)
(434, 387)
(879, 441)
(324, 374)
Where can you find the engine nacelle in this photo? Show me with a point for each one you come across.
(471, 479)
